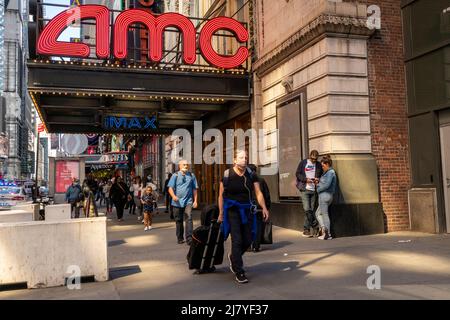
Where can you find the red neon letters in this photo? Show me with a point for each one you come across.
(156, 28)
(210, 54)
(48, 44)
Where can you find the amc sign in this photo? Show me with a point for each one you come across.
(156, 25)
(141, 123)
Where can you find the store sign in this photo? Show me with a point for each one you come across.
(49, 45)
(139, 123)
(114, 158)
(102, 167)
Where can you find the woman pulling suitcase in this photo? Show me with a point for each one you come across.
(237, 207)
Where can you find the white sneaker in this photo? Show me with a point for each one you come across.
(146, 228)
(150, 228)
(139, 218)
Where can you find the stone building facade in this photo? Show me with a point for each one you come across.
(329, 70)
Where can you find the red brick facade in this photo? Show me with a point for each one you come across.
(388, 113)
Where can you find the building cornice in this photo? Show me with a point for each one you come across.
(323, 25)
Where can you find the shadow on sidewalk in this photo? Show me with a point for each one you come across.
(120, 272)
(275, 245)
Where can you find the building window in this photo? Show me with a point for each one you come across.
(292, 143)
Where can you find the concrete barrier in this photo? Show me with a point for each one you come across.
(42, 253)
(57, 212)
(32, 207)
(15, 215)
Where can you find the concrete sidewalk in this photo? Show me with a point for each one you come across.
(151, 265)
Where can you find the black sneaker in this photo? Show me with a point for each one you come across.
(241, 278)
(231, 264)
(306, 233)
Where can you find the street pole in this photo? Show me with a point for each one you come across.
(37, 165)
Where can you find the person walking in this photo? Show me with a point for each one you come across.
(119, 195)
(147, 201)
(155, 192)
(326, 188)
(237, 207)
(256, 244)
(74, 196)
(307, 174)
(169, 207)
(138, 189)
(131, 202)
(183, 190)
(92, 184)
(107, 193)
(89, 207)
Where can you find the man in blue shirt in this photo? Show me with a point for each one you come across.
(183, 190)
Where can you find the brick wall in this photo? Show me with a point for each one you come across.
(388, 113)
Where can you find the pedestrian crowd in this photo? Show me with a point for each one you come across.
(243, 209)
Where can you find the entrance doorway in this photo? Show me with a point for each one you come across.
(445, 151)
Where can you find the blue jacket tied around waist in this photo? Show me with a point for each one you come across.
(243, 208)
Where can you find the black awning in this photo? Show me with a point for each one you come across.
(77, 98)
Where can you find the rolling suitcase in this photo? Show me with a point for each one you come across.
(207, 248)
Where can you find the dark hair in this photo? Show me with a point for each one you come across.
(314, 153)
(327, 160)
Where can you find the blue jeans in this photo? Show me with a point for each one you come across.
(322, 216)
(309, 202)
(179, 217)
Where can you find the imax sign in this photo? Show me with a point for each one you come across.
(138, 123)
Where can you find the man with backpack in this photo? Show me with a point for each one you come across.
(74, 196)
(183, 190)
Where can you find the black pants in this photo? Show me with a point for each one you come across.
(120, 205)
(73, 205)
(184, 214)
(132, 207)
(241, 237)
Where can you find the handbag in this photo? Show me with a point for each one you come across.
(266, 232)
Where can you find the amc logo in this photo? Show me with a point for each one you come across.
(49, 45)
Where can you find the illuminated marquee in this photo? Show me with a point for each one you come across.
(48, 44)
(116, 123)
